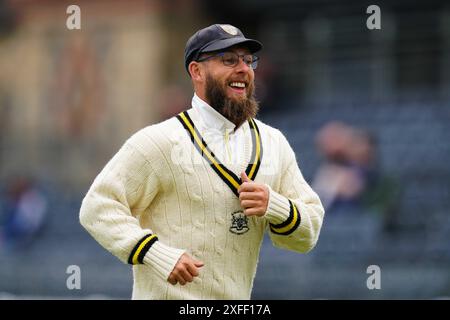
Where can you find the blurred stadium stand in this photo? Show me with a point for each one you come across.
(327, 66)
(412, 249)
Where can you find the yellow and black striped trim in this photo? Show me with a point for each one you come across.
(231, 179)
(290, 225)
(257, 151)
(141, 248)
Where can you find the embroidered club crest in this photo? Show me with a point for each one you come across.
(239, 223)
(229, 29)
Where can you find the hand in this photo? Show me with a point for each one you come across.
(254, 197)
(185, 270)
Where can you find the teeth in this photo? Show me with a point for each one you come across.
(238, 84)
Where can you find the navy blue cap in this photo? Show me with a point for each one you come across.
(216, 37)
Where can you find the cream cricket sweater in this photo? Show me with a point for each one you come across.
(167, 192)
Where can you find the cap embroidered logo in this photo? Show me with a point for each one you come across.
(229, 29)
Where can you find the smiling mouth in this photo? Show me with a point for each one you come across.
(238, 86)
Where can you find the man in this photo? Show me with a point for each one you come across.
(187, 201)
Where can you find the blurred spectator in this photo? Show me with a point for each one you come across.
(22, 215)
(350, 179)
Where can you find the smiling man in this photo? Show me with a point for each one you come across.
(187, 201)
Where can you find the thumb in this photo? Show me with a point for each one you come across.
(198, 263)
(244, 177)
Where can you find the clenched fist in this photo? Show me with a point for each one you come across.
(185, 270)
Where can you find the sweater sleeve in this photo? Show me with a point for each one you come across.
(111, 208)
(295, 212)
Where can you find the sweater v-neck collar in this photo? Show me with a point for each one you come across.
(230, 178)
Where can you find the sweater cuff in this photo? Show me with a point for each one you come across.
(278, 209)
(162, 258)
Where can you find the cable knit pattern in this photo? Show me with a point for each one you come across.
(159, 184)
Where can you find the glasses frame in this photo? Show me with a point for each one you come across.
(253, 65)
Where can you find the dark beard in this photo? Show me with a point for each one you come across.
(236, 110)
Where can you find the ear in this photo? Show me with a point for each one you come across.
(196, 71)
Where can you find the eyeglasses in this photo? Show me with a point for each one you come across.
(231, 59)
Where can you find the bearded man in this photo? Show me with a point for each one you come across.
(187, 201)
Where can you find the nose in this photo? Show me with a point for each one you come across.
(242, 66)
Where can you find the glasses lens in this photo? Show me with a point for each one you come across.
(230, 59)
(254, 62)
(248, 59)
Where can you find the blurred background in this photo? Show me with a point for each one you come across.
(367, 112)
